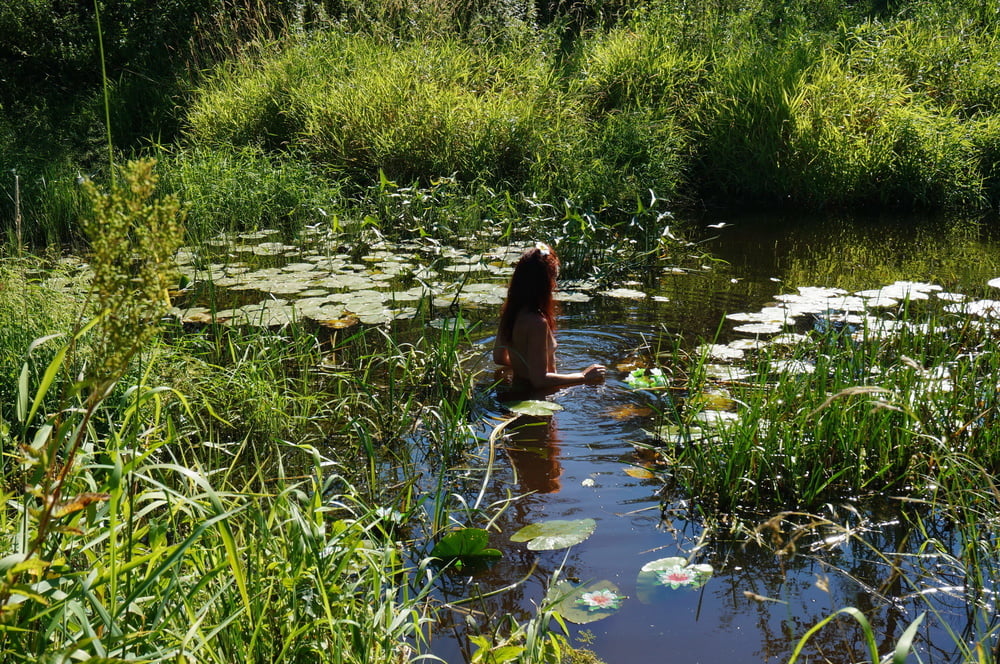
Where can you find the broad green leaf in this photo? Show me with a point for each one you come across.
(647, 379)
(555, 534)
(585, 603)
(533, 407)
(906, 641)
(464, 543)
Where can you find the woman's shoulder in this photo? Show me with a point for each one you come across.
(530, 320)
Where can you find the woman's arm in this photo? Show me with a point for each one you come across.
(532, 334)
(500, 353)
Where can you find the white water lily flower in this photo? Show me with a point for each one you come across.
(677, 576)
(600, 599)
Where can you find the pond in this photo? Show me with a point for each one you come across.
(586, 460)
(582, 463)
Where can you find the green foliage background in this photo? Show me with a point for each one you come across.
(812, 103)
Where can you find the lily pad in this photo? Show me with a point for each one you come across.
(574, 296)
(586, 603)
(555, 534)
(759, 328)
(720, 352)
(625, 293)
(657, 578)
(640, 473)
(532, 407)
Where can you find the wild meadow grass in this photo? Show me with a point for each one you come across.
(301, 108)
(812, 113)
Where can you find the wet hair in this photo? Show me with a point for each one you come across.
(531, 289)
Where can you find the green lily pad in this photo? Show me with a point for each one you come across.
(555, 534)
(585, 603)
(657, 578)
(532, 407)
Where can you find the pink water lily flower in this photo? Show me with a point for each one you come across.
(676, 576)
(600, 599)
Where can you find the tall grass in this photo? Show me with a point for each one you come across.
(876, 411)
(808, 104)
(160, 524)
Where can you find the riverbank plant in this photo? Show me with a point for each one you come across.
(809, 104)
(850, 409)
(137, 532)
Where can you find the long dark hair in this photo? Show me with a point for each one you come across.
(531, 288)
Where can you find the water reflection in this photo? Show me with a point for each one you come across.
(532, 446)
(759, 603)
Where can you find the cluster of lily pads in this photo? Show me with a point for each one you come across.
(269, 283)
(822, 308)
(577, 603)
(787, 323)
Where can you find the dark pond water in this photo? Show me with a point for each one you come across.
(574, 465)
(757, 605)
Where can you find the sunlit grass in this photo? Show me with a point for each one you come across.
(856, 408)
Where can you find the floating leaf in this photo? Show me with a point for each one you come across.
(624, 293)
(467, 545)
(658, 577)
(645, 379)
(555, 534)
(533, 407)
(711, 400)
(759, 328)
(585, 603)
(564, 296)
(340, 323)
(639, 472)
(629, 410)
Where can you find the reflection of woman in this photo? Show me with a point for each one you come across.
(533, 450)
(526, 339)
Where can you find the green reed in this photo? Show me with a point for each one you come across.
(165, 517)
(879, 412)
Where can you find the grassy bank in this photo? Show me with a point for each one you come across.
(810, 104)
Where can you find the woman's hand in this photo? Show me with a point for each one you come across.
(594, 374)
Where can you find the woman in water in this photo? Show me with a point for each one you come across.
(526, 341)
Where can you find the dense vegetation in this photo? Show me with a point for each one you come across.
(811, 103)
(220, 495)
